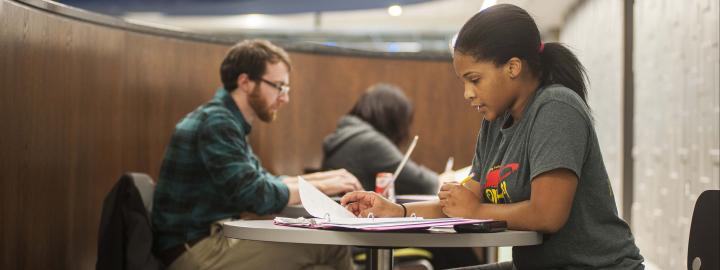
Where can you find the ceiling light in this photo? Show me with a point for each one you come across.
(403, 47)
(253, 20)
(487, 4)
(395, 10)
(451, 44)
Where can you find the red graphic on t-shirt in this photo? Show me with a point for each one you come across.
(494, 176)
(495, 184)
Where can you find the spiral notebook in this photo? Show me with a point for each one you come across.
(329, 214)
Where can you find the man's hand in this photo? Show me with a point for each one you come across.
(362, 203)
(334, 182)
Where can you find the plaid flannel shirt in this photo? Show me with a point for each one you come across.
(210, 173)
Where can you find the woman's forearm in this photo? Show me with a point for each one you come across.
(546, 211)
(519, 216)
(428, 209)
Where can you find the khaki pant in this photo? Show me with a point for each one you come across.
(219, 252)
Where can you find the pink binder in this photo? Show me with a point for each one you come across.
(379, 226)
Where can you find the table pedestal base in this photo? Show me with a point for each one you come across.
(379, 259)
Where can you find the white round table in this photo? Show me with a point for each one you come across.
(380, 243)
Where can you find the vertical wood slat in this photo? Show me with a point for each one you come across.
(628, 111)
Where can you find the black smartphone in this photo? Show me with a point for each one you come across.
(482, 227)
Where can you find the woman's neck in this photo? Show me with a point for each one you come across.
(526, 89)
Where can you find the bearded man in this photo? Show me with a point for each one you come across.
(210, 174)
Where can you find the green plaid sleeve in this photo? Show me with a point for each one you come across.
(233, 167)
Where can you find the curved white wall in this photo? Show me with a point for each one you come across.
(677, 115)
(677, 110)
(594, 32)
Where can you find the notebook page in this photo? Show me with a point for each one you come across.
(318, 204)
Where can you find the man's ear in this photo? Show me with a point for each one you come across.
(244, 83)
(513, 67)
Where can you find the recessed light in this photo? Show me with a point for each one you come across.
(395, 10)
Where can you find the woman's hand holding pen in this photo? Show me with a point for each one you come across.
(458, 201)
(445, 177)
(362, 203)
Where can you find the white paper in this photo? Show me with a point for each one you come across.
(460, 174)
(318, 204)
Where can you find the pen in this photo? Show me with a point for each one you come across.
(449, 164)
(402, 163)
(467, 179)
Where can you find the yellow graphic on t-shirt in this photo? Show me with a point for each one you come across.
(494, 196)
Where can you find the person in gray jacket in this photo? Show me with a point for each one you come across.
(366, 142)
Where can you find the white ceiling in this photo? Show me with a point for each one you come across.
(434, 17)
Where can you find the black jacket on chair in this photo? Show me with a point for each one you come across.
(125, 236)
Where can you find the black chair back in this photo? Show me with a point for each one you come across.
(704, 242)
(125, 236)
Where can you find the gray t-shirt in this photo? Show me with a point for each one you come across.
(556, 131)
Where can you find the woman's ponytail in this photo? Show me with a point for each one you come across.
(504, 31)
(558, 65)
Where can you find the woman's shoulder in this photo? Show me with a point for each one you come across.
(559, 95)
(558, 92)
(360, 133)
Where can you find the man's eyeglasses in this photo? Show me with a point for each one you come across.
(283, 88)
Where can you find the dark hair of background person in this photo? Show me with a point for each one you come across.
(250, 57)
(504, 31)
(386, 108)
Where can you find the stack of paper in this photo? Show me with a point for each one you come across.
(329, 214)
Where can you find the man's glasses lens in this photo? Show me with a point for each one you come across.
(284, 89)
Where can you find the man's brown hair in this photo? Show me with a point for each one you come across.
(250, 57)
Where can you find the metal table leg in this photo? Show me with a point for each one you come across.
(379, 259)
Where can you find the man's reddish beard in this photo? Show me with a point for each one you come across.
(261, 106)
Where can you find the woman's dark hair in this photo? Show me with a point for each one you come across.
(387, 109)
(250, 57)
(504, 31)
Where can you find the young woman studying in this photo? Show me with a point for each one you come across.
(537, 161)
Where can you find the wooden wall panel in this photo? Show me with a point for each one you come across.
(325, 87)
(81, 103)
